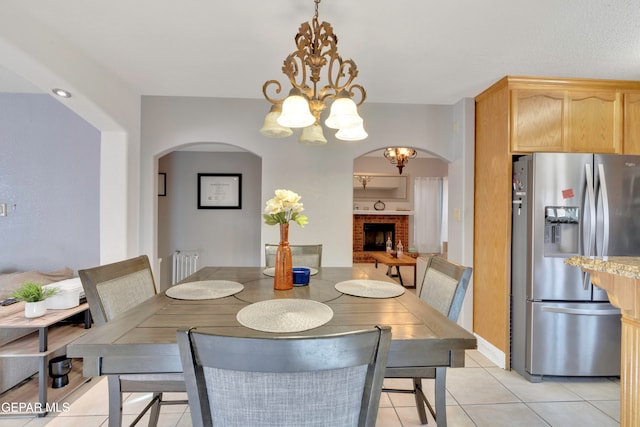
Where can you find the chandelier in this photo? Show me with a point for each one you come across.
(399, 156)
(307, 99)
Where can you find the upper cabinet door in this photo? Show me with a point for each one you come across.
(537, 120)
(595, 122)
(631, 123)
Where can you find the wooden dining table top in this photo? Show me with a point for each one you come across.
(143, 339)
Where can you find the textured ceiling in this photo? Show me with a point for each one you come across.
(407, 51)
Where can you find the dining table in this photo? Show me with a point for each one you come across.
(143, 339)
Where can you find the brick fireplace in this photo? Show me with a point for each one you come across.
(401, 223)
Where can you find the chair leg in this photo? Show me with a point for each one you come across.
(439, 413)
(154, 407)
(154, 414)
(115, 401)
(420, 400)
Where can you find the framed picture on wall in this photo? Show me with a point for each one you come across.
(162, 184)
(219, 191)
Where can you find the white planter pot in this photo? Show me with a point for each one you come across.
(35, 309)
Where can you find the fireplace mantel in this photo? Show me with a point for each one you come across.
(364, 212)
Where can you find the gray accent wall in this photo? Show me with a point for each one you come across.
(49, 180)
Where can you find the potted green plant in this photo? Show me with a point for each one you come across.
(34, 297)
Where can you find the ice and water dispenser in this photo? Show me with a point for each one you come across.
(561, 231)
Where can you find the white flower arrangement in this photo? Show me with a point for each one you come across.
(283, 208)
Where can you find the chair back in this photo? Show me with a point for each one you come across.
(301, 255)
(333, 380)
(444, 286)
(112, 289)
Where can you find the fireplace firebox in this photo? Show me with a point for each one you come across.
(376, 235)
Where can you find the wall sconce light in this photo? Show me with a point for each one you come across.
(364, 180)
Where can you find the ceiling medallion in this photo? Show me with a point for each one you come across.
(307, 99)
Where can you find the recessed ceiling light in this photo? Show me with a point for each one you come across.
(61, 93)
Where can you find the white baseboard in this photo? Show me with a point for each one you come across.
(491, 352)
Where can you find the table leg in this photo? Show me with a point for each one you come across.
(42, 334)
(87, 319)
(399, 276)
(42, 382)
(43, 369)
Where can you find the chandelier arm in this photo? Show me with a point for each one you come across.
(294, 68)
(277, 90)
(358, 88)
(343, 68)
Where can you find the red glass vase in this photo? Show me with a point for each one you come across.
(283, 277)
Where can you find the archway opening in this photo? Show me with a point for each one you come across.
(221, 234)
(387, 205)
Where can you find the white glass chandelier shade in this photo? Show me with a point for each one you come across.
(295, 111)
(271, 128)
(356, 133)
(312, 135)
(344, 114)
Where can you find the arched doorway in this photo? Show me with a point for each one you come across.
(375, 179)
(221, 236)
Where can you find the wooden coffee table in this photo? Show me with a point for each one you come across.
(391, 261)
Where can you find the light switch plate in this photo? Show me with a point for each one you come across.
(3, 209)
(457, 214)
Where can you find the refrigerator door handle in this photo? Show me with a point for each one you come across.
(605, 210)
(612, 312)
(589, 204)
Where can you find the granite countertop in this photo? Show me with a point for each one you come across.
(619, 265)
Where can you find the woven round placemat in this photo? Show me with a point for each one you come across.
(370, 288)
(205, 289)
(285, 315)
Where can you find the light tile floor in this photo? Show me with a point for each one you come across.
(480, 394)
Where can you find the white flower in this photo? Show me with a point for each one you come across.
(284, 207)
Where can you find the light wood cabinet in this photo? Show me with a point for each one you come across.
(631, 132)
(521, 115)
(594, 122)
(492, 220)
(566, 121)
(537, 120)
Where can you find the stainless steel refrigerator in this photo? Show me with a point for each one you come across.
(565, 205)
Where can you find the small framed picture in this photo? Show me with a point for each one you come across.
(219, 191)
(162, 184)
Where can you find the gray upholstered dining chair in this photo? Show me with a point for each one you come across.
(301, 255)
(443, 286)
(111, 290)
(333, 380)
